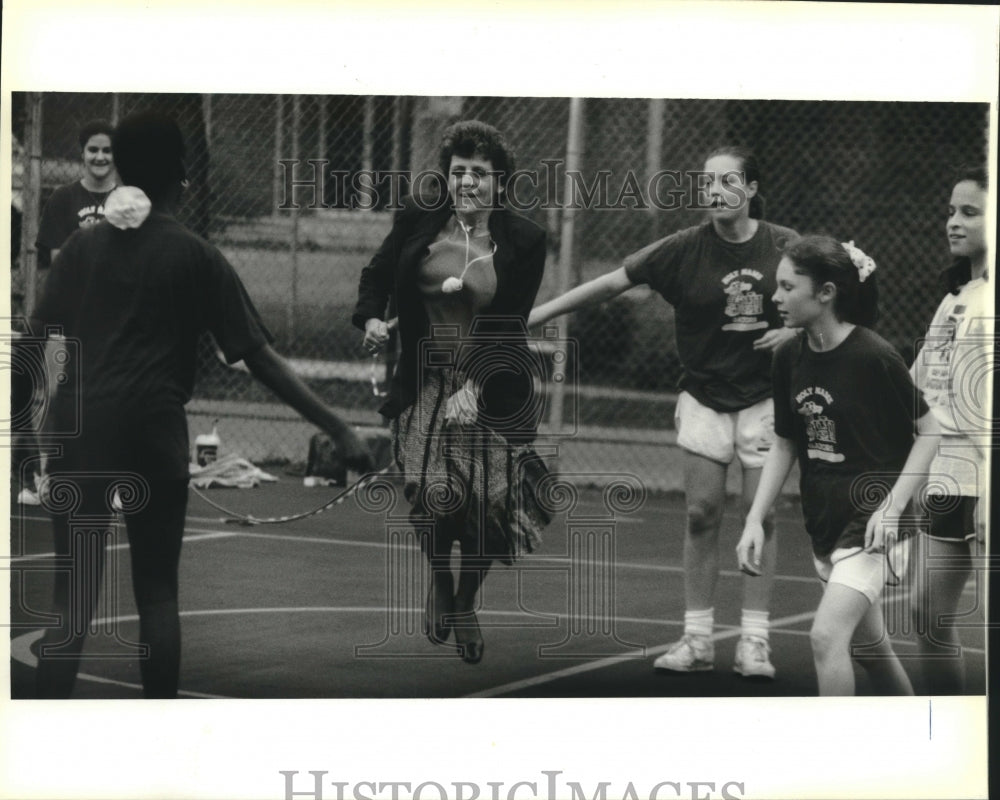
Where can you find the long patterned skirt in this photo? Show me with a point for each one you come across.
(474, 485)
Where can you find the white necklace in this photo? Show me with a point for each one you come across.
(452, 285)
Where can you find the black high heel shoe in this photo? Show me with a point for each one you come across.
(469, 638)
(437, 611)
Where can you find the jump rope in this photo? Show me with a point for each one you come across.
(449, 286)
(236, 518)
(248, 520)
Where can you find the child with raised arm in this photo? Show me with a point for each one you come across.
(846, 409)
(719, 277)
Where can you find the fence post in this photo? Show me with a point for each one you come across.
(654, 154)
(574, 143)
(279, 106)
(206, 115)
(430, 117)
(293, 244)
(321, 135)
(31, 199)
(368, 147)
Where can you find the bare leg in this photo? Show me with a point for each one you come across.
(881, 664)
(705, 493)
(757, 590)
(942, 570)
(837, 617)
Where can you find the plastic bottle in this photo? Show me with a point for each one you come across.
(206, 446)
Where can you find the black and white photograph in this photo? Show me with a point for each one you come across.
(480, 403)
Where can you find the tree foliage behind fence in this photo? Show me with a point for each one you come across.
(875, 172)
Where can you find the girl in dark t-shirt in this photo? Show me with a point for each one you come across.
(79, 204)
(846, 409)
(76, 205)
(135, 292)
(719, 277)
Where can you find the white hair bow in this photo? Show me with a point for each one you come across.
(864, 263)
(127, 207)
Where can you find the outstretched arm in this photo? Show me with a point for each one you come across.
(590, 293)
(273, 371)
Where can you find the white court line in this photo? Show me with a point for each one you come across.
(124, 545)
(894, 642)
(728, 573)
(590, 666)
(20, 650)
(210, 533)
(534, 559)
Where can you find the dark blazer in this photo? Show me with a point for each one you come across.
(507, 401)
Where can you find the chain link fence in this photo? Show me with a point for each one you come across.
(297, 191)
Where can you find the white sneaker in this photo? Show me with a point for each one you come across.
(27, 497)
(753, 658)
(690, 653)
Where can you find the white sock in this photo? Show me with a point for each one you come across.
(755, 623)
(699, 623)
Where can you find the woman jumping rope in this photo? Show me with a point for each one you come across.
(846, 409)
(719, 277)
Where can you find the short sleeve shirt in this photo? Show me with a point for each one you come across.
(69, 208)
(136, 302)
(721, 293)
(851, 413)
(949, 365)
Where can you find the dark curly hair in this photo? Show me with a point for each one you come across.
(470, 137)
(960, 271)
(93, 128)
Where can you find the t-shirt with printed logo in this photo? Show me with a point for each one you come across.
(851, 412)
(952, 360)
(721, 293)
(70, 208)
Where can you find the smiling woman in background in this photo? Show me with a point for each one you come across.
(73, 206)
(80, 203)
(948, 370)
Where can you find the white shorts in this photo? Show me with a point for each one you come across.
(864, 572)
(719, 435)
(958, 468)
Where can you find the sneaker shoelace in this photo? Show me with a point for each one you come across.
(758, 649)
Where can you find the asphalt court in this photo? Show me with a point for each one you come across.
(330, 606)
